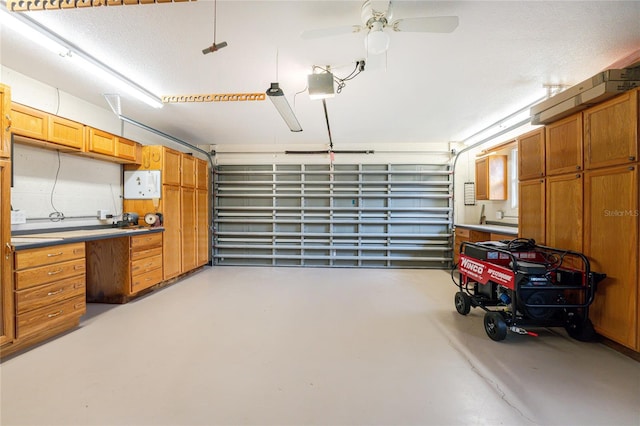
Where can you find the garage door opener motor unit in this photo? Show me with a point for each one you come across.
(520, 284)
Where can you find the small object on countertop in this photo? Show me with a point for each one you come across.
(483, 218)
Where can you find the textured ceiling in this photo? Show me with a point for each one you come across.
(428, 88)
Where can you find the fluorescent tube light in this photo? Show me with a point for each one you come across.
(44, 37)
(276, 95)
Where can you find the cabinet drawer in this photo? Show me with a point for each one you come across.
(144, 253)
(462, 232)
(48, 294)
(149, 279)
(48, 255)
(144, 242)
(145, 265)
(47, 317)
(49, 273)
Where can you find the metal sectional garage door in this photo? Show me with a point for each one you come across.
(333, 216)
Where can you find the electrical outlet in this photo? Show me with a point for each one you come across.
(102, 214)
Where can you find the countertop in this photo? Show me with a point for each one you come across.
(496, 229)
(43, 237)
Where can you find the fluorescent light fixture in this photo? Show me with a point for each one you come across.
(28, 28)
(276, 95)
(320, 85)
(511, 122)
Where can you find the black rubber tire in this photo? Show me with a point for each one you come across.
(463, 302)
(495, 326)
(580, 330)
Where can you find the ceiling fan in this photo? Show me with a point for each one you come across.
(375, 22)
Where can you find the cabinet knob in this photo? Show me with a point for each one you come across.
(577, 167)
(631, 168)
(632, 158)
(578, 175)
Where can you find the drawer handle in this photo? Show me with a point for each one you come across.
(55, 314)
(9, 122)
(55, 254)
(53, 293)
(55, 272)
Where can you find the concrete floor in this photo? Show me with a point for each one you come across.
(292, 346)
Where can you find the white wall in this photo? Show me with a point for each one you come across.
(46, 182)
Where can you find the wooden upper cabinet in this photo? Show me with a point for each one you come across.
(171, 164)
(128, 150)
(29, 122)
(65, 132)
(101, 142)
(5, 121)
(188, 175)
(611, 132)
(491, 177)
(202, 174)
(563, 145)
(531, 155)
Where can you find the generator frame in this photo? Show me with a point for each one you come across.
(489, 270)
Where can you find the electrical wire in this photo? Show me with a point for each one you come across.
(341, 82)
(56, 215)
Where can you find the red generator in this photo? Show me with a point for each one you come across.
(520, 285)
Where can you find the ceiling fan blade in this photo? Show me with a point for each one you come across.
(436, 24)
(330, 32)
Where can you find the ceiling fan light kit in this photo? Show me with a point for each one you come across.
(377, 41)
(276, 95)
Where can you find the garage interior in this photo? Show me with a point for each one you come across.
(310, 282)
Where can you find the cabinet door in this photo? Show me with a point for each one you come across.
(29, 122)
(188, 176)
(611, 132)
(189, 246)
(128, 150)
(66, 132)
(564, 212)
(563, 145)
(202, 226)
(611, 244)
(482, 179)
(171, 164)
(101, 142)
(531, 155)
(5, 121)
(531, 205)
(202, 174)
(172, 246)
(6, 287)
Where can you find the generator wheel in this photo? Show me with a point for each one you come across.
(463, 303)
(495, 326)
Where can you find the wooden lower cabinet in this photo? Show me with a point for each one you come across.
(532, 214)
(49, 293)
(467, 235)
(120, 268)
(172, 223)
(188, 226)
(6, 278)
(202, 227)
(611, 244)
